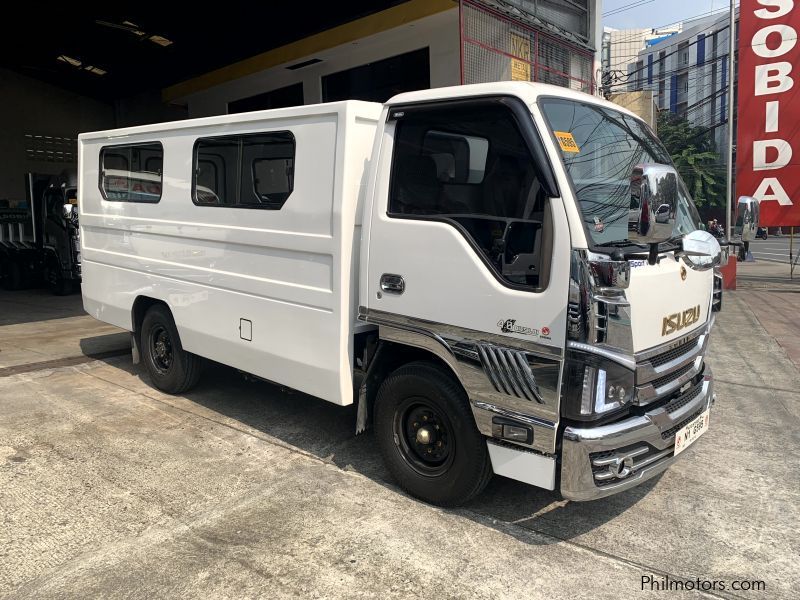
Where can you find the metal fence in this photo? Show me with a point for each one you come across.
(497, 47)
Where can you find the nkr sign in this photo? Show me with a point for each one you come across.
(767, 165)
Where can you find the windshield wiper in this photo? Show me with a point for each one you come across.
(621, 244)
(673, 243)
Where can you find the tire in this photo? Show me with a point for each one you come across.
(171, 368)
(422, 395)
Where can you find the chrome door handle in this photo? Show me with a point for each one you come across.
(393, 284)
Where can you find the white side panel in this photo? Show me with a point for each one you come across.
(289, 271)
(523, 465)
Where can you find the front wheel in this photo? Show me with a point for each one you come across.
(427, 435)
(171, 368)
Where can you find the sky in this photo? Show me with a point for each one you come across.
(656, 13)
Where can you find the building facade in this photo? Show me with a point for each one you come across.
(620, 47)
(688, 74)
(414, 45)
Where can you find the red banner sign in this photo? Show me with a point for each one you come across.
(768, 132)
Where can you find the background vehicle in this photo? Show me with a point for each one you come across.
(459, 262)
(40, 243)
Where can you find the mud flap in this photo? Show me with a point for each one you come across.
(135, 355)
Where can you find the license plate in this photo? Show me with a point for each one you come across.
(689, 434)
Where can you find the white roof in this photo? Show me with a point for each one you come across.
(527, 91)
(357, 107)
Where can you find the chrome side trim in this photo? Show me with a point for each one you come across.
(509, 372)
(379, 317)
(502, 376)
(510, 414)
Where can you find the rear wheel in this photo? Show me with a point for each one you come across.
(171, 368)
(427, 435)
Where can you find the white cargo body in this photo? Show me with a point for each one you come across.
(286, 275)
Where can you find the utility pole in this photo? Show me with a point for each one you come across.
(731, 132)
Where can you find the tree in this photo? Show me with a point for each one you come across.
(693, 151)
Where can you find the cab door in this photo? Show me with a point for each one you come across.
(468, 243)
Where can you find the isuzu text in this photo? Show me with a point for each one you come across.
(506, 278)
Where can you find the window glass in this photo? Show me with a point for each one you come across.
(468, 165)
(244, 171)
(600, 148)
(132, 173)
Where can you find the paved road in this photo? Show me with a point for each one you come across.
(240, 489)
(775, 249)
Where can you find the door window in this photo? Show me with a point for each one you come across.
(468, 165)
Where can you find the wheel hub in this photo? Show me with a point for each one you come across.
(161, 350)
(424, 437)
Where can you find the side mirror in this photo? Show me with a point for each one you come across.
(700, 250)
(654, 189)
(747, 213)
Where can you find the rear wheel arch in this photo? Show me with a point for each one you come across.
(171, 368)
(139, 309)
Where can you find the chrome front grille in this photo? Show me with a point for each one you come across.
(662, 381)
(509, 372)
(682, 400)
(670, 355)
(660, 374)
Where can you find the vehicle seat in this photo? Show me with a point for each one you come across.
(503, 188)
(418, 191)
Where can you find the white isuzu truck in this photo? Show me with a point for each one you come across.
(507, 278)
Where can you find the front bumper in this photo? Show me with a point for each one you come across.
(600, 461)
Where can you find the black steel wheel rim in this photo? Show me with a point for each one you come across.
(424, 436)
(161, 352)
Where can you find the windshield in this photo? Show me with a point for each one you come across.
(600, 148)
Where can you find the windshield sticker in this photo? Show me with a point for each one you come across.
(566, 141)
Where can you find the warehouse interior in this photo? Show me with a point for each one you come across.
(86, 68)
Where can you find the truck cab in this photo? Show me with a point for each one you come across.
(500, 238)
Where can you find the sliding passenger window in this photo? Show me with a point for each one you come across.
(132, 173)
(244, 171)
(468, 164)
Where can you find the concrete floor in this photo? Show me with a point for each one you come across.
(241, 489)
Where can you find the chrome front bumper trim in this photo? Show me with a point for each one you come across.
(579, 482)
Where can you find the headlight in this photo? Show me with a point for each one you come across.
(595, 387)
